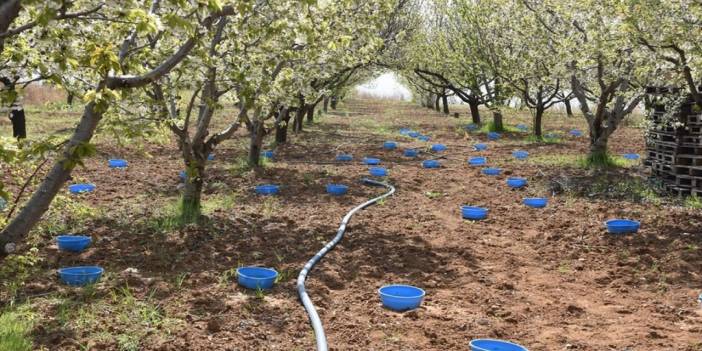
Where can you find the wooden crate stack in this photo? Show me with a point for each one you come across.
(674, 155)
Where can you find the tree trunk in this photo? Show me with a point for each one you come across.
(437, 102)
(191, 206)
(334, 102)
(444, 100)
(497, 121)
(37, 205)
(256, 140)
(19, 122)
(281, 128)
(474, 112)
(598, 146)
(310, 113)
(430, 101)
(538, 117)
(569, 109)
(326, 104)
(69, 99)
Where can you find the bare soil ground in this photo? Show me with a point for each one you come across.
(549, 279)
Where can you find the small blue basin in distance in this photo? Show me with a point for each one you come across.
(344, 157)
(378, 172)
(480, 147)
(182, 175)
(267, 154)
(576, 133)
(400, 297)
(424, 138)
(494, 135)
(522, 127)
(411, 152)
(371, 161)
(73, 243)
(337, 189)
(520, 154)
(117, 163)
(81, 188)
(622, 226)
(474, 213)
(516, 182)
(405, 131)
(491, 171)
(438, 147)
(256, 277)
(267, 189)
(210, 157)
(431, 164)
(494, 345)
(477, 161)
(414, 134)
(80, 276)
(472, 127)
(389, 145)
(535, 202)
(631, 156)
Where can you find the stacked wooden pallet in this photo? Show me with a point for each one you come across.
(674, 154)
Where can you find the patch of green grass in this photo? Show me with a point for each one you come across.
(374, 126)
(271, 206)
(225, 201)
(693, 202)
(15, 328)
(551, 139)
(563, 160)
(602, 160)
(239, 167)
(434, 194)
(490, 127)
(632, 189)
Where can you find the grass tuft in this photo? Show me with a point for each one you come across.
(15, 327)
(601, 160)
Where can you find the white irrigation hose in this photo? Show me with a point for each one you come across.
(306, 301)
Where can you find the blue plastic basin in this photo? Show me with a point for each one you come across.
(73, 243)
(414, 134)
(576, 133)
(405, 131)
(256, 277)
(389, 145)
(494, 345)
(516, 182)
(631, 156)
(491, 171)
(480, 147)
(411, 152)
(423, 138)
(182, 175)
(400, 297)
(344, 158)
(473, 212)
(520, 154)
(79, 276)
(622, 226)
(210, 157)
(81, 188)
(371, 161)
(522, 127)
(438, 147)
(267, 154)
(477, 161)
(337, 189)
(267, 189)
(117, 163)
(494, 135)
(431, 164)
(378, 172)
(472, 127)
(535, 202)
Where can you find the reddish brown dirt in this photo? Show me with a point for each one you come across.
(549, 279)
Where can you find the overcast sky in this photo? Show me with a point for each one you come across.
(385, 85)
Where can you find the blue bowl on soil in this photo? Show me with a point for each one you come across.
(491, 171)
(631, 156)
(516, 182)
(81, 188)
(622, 226)
(480, 147)
(522, 127)
(256, 277)
(474, 213)
(411, 152)
(551, 135)
(431, 164)
(401, 297)
(535, 202)
(344, 158)
(438, 147)
(405, 131)
(378, 172)
(267, 189)
(414, 134)
(477, 161)
(576, 133)
(520, 154)
(337, 189)
(371, 161)
(73, 243)
(472, 127)
(494, 345)
(389, 145)
(423, 138)
(494, 135)
(210, 157)
(182, 175)
(267, 154)
(80, 276)
(117, 163)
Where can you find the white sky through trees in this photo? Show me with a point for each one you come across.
(385, 86)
